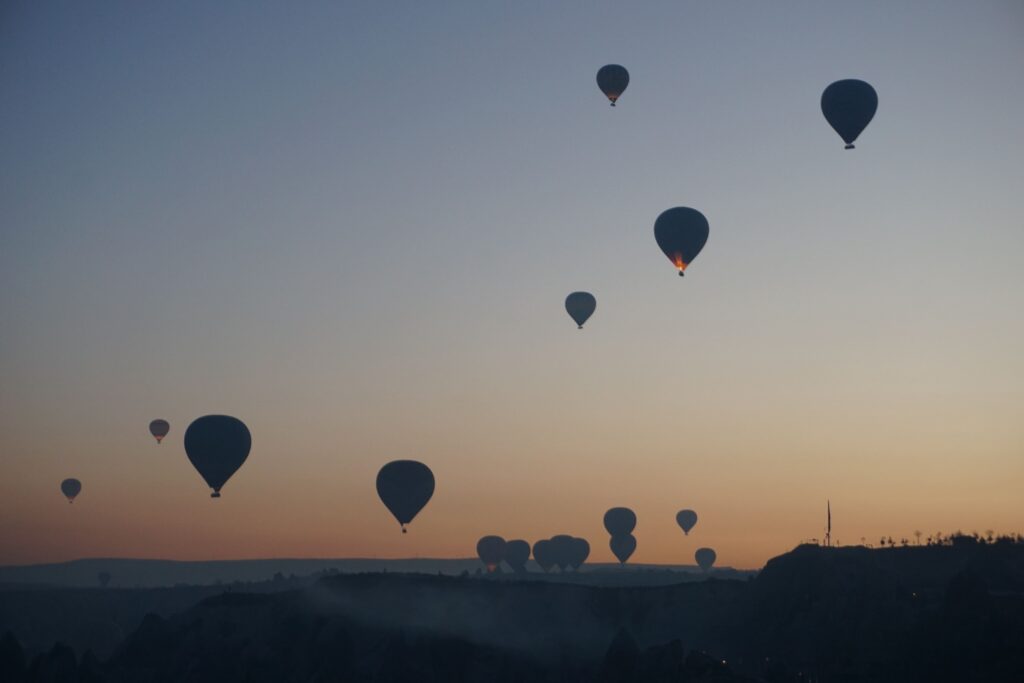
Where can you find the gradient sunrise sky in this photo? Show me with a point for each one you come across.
(353, 226)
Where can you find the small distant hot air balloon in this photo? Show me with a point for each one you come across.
(562, 547)
(849, 106)
(71, 488)
(405, 487)
(159, 429)
(491, 551)
(620, 521)
(686, 519)
(623, 546)
(542, 555)
(580, 553)
(612, 79)
(580, 306)
(217, 445)
(517, 552)
(681, 233)
(705, 558)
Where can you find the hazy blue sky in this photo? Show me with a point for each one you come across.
(353, 226)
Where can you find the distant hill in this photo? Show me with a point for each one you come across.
(132, 573)
(936, 614)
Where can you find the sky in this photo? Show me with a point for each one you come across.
(353, 226)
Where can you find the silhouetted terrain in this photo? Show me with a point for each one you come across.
(129, 573)
(944, 613)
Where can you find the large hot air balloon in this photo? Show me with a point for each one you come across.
(405, 486)
(705, 558)
(159, 429)
(623, 546)
(681, 233)
(517, 552)
(848, 107)
(580, 552)
(217, 445)
(542, 555)
(491, 550)
(580, 306)
(71, 488)
(686, 519)
(620, 521)
(612, 79)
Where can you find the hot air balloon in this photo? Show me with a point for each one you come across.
(686, 519)
(217, 445)
(517, 552)
(705, 558)
(612, 79)
(405, 486)
(159, 429)
(580, 553)
(620, 521)
(681, 233)
(542, 555)
(562, 550)
(71, 488)
(848, 107)
(623, 546)
(580, 306)
(491, 551)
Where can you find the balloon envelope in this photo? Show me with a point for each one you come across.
(580, 306)
(705, 558)
(491, 551)
(612, 79)
(686, 519)
(562, 550)
(217, 445)
(620, 521)
(159, 429)
(849, 106)
(580, 552)
(517, 552)
(681, 233)
(623, 546)
(405, 486)
(542, 554)
(71, 488)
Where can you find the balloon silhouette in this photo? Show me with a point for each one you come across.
(612, 79)
(542, 555)
(623, 546)
(405, 486)
(686, 519)
(848, 107)
(681, 233)
(217, 445)
(159, 429)
(562, 547)
(705, 558)
(620, 521)
(517, 552)
(491, 551)
(580, 306)
(71, 488)
(580, 552)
